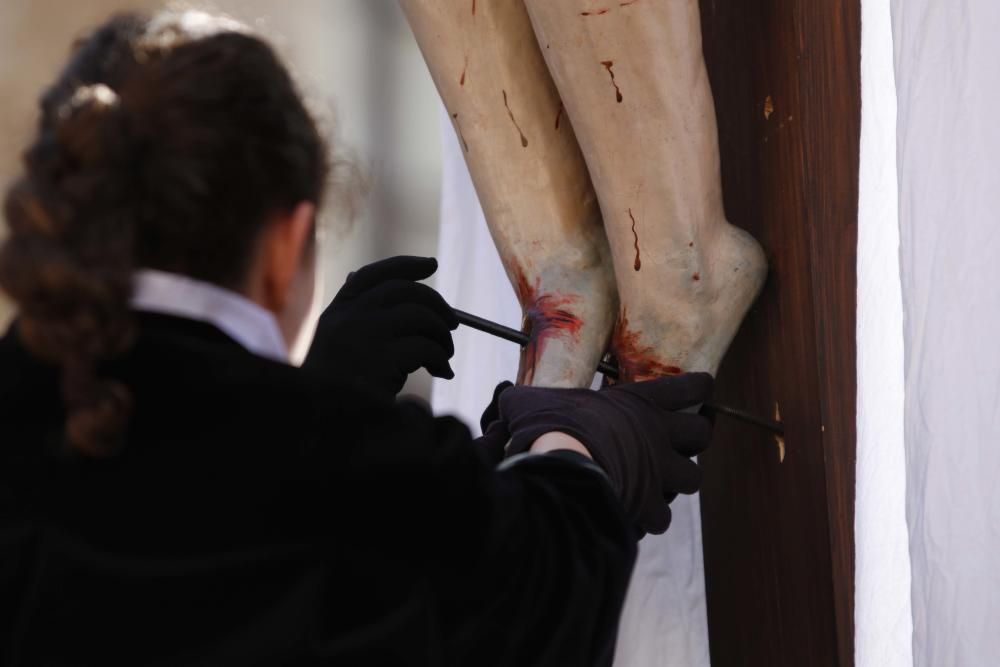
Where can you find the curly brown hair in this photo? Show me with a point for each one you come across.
(166, 142)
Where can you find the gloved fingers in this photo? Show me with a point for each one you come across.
(402, 267)
(415, 352)
(492, 411)
(678, 474)
(674, 392)
(522, 400)
(385, 384)
(655, 518)
(394, 292)
(690, 434)
(708, 413)
(410, 319)
(493, 441)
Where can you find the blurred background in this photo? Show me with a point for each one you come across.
(355, 59)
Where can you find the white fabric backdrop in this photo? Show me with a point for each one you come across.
(664, 623)
(883, 625)
(947, 55)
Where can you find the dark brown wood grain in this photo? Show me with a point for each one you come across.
(778, 536)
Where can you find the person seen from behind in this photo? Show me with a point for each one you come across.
(174, 492)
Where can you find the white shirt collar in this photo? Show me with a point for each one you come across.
(241, 319)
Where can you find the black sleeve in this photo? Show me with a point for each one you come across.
(528, 562)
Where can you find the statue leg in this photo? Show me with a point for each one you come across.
(633, 79)
(530, 176)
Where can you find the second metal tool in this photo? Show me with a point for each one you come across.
(605, 367)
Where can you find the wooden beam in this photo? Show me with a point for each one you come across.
(778, 516)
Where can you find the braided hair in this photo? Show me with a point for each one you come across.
(167, 142)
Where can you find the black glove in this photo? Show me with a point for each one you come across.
(495, 435)
(632, 431)
(382, 326)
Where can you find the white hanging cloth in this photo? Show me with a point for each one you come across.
(883, 627)
(946, 56)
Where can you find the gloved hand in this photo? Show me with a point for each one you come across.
(382, 326)
(633, 431)
(495, 434)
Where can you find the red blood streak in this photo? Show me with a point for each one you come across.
(608, 65)
(473, 7)
(458, 126)
(596, 12)
(696, 276)
(523, 287)
(461, 79)
(524, 140)
(546, 316)
(638, 260)
(559, 115)
(627, 3)
(636, 362)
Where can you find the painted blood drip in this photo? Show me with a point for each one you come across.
(696, 277)
(559, 115)
(473, 7)
(638, 260)
(524, 140)
(636, 362)
(461, 79)
(608, 64)
(546, 316)
(596, 12)
(458, 126)
(627, 3)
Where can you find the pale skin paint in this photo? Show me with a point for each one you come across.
(631, 77)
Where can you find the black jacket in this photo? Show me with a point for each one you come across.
(257, 517)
